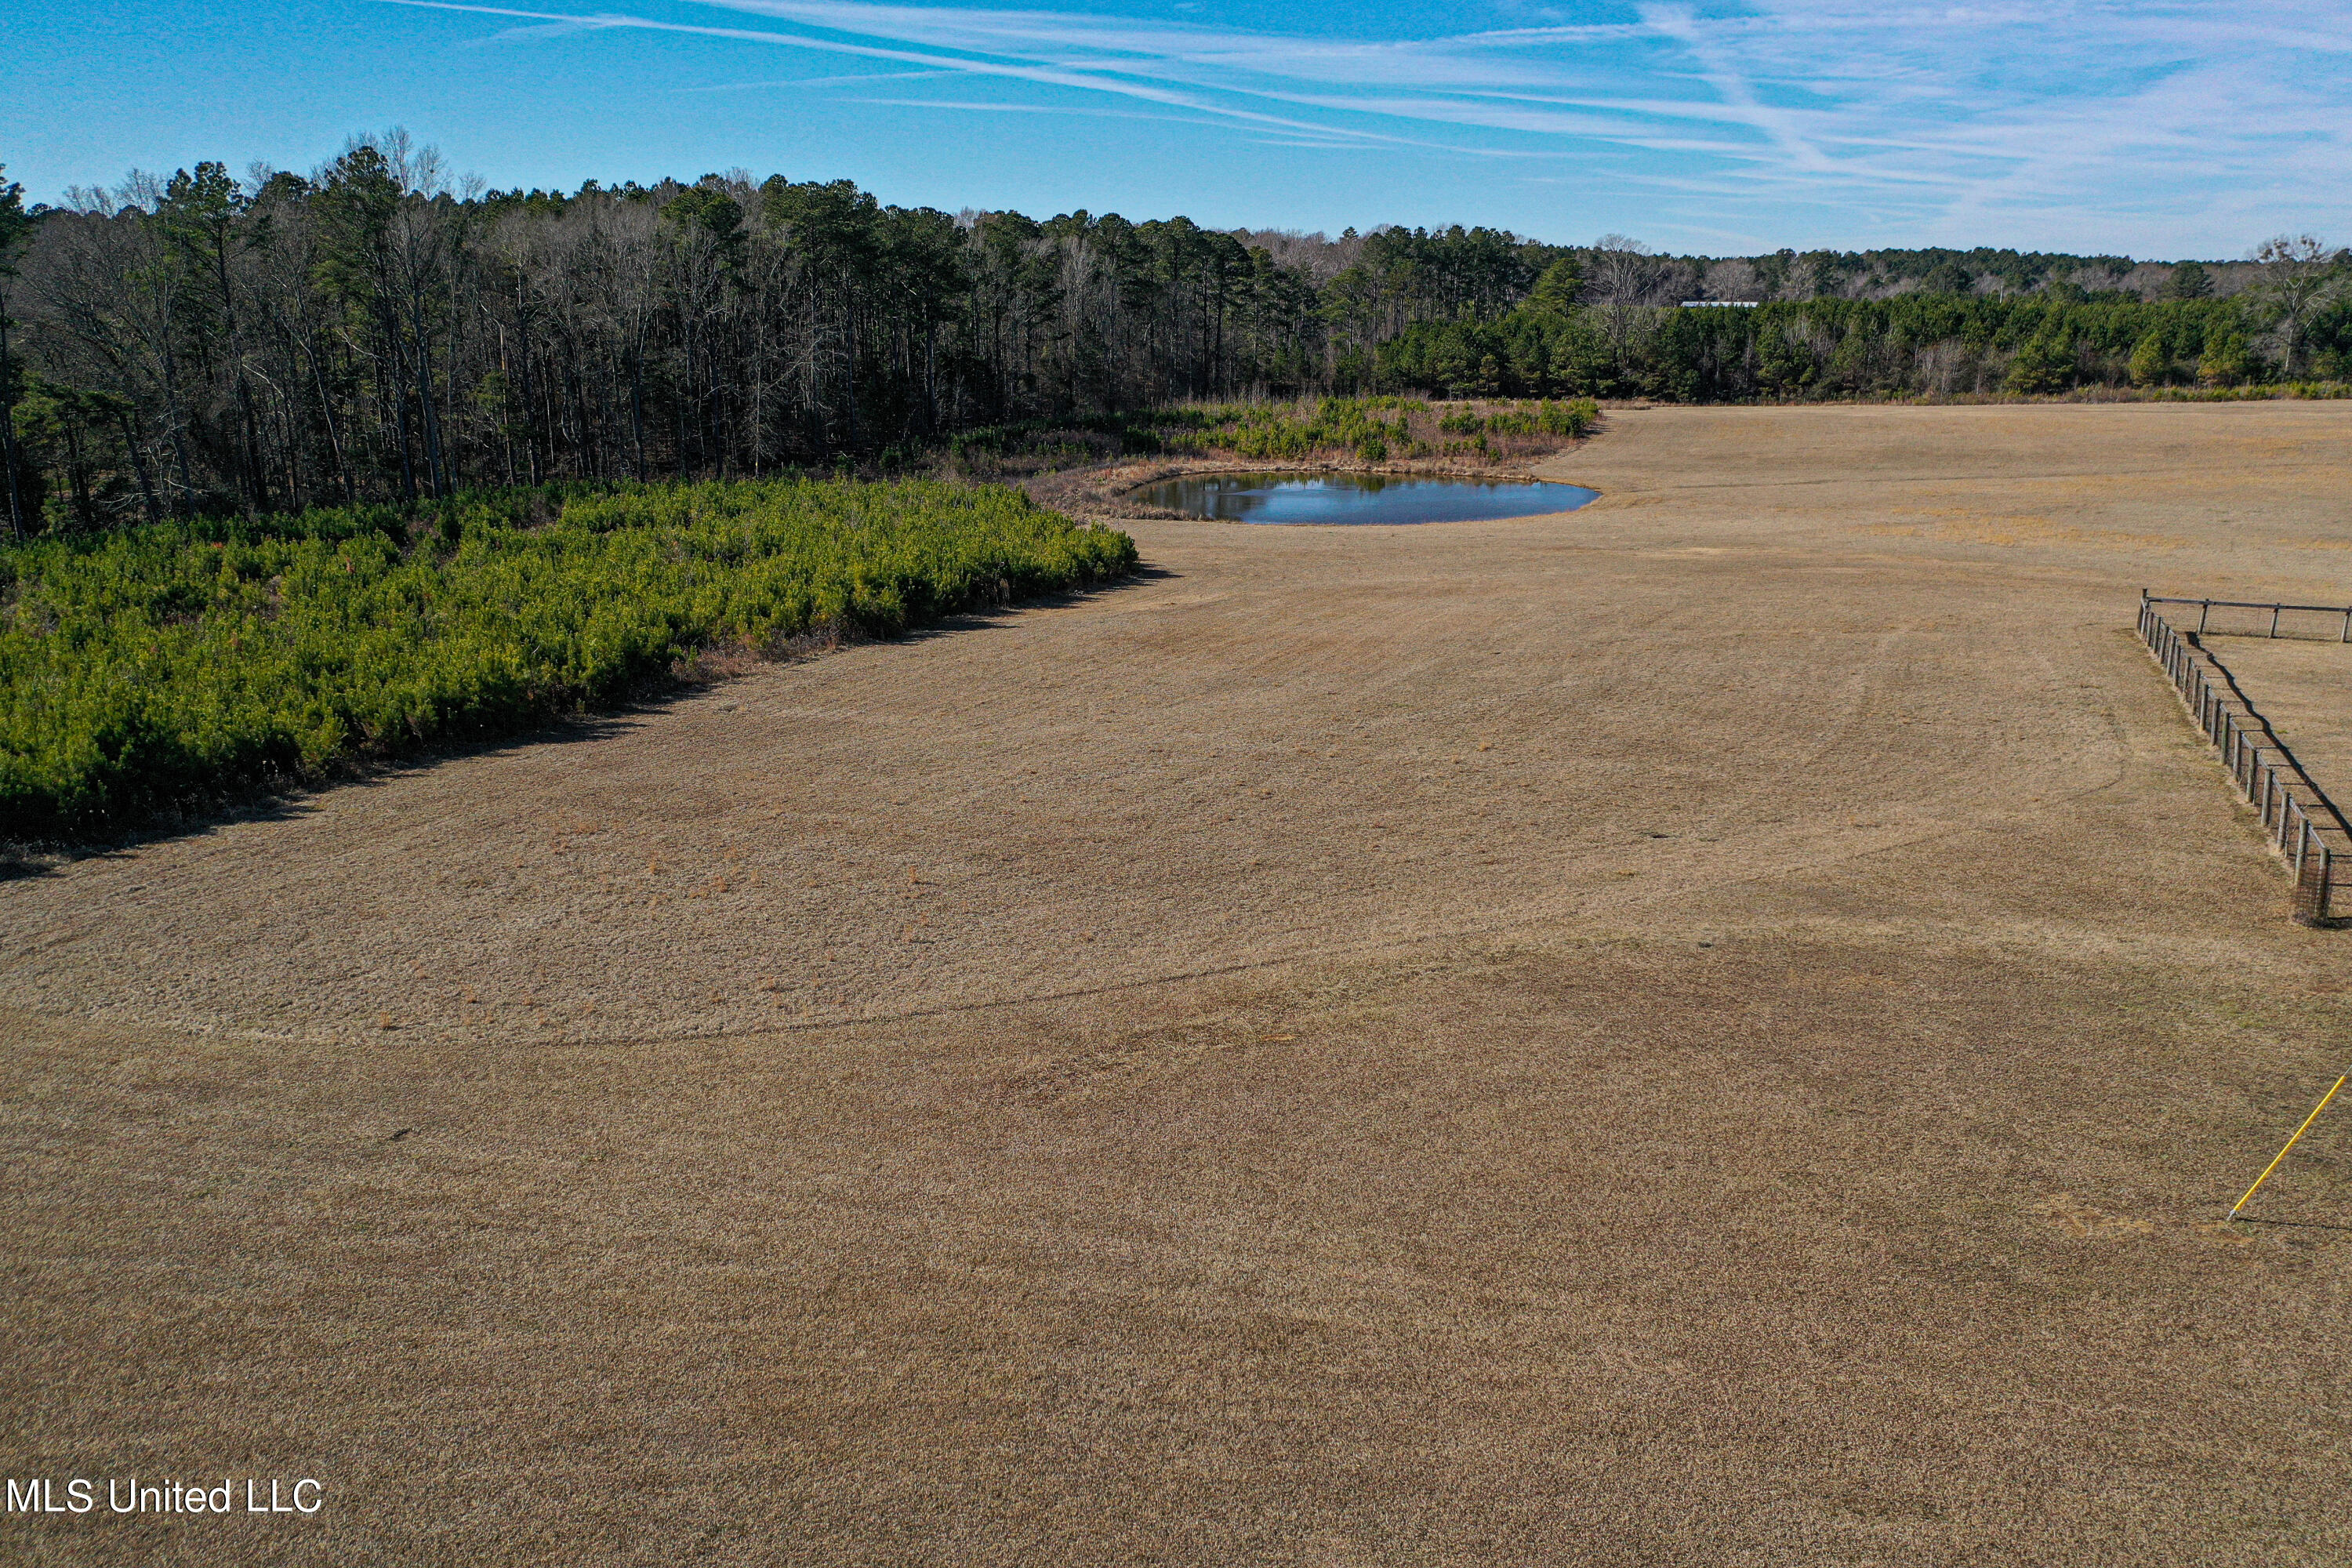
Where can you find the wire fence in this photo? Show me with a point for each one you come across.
(2300, 819)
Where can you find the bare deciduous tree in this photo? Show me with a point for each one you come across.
(2300, 275)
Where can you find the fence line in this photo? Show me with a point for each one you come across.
(2206, 607)
(2301, 820)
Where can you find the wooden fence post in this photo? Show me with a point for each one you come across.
(2312, 879)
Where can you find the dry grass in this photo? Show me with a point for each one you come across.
(1233, 1106)
(2305, 688)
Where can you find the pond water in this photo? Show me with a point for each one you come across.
(1358, 498)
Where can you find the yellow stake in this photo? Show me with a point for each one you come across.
(2290, 1143)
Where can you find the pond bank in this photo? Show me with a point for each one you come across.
(1112, 490)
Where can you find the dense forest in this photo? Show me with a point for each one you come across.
(202, 344)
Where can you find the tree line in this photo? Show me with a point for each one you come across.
(2295, 328)
(199, 343)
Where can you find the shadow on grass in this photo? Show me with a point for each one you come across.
(702, 673)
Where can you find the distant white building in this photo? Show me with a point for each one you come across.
(1721, 304)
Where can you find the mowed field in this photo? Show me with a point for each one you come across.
(2304, 690)
(1714, 1029)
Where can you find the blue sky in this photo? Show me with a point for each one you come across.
(2149, 127)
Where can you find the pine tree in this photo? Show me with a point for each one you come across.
(16, 227)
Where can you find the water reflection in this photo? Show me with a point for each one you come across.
(1358, 498)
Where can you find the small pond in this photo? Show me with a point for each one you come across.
(1358, 498)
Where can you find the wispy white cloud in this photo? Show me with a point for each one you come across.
(998, 106)
(854, 78)
(1045, 74)
(2159, 123)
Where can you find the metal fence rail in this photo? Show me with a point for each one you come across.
(2301, 820)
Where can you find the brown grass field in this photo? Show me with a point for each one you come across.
(2306, 691)
(1715, 1029)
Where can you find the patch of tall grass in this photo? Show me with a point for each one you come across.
(1371, 429)
(167, 665)
(2264, 392)
(1368, 430)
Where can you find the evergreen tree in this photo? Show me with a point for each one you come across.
(15, 228)
(2191, 282)
(2224, 363)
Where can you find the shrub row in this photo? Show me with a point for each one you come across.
(161, 667)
